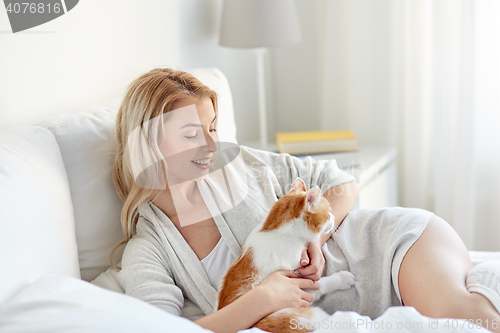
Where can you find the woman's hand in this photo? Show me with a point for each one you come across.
(312, 262)
(283, 289)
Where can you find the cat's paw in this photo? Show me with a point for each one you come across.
(346, 279)
(337, 281)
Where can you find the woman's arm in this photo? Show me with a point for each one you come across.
(239, 315)
(143, 275)
(280, 290)
(341, 199)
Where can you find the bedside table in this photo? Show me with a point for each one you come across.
(375, 171)
(374, 168)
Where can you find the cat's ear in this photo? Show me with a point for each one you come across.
(312, 198)
(298, 185)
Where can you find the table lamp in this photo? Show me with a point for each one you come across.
(260, 24)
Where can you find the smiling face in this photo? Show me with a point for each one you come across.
(188, 140)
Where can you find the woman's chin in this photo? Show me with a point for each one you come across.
(194, 174)
(201, 176)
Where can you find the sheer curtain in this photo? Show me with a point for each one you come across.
(451, 115)
(442, 59)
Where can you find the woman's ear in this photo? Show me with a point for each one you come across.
(298, 185)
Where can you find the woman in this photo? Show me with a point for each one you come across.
(185, 218)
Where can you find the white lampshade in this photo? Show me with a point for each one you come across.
(259, 23)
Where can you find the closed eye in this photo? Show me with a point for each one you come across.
(195, 136)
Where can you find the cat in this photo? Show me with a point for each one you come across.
(297, 218)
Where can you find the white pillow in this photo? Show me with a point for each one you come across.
(217, 81)
(56, 303)
(36, 214)
(86, 136)
(478, 257)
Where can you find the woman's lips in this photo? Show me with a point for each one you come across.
(202, 164)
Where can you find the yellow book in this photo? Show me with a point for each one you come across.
(316, 142)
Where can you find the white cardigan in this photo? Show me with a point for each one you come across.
(159, 267)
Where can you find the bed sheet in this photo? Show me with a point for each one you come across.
(57, 303)
(395, 319)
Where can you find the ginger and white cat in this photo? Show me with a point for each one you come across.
(297, 218)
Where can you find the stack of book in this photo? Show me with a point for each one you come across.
(316, 142)
(339, 145)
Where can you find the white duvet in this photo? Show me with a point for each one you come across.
(57, 303)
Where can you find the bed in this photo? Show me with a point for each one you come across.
(60, 220)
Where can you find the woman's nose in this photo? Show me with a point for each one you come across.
(211, 142)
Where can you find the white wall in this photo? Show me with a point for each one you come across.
(321, 86)
(89, 54)
(315, 84)
(199, 47)
(94, 51)
(295, 74)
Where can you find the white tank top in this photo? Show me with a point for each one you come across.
(217, 262)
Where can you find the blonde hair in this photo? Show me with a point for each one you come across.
(148, 97)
